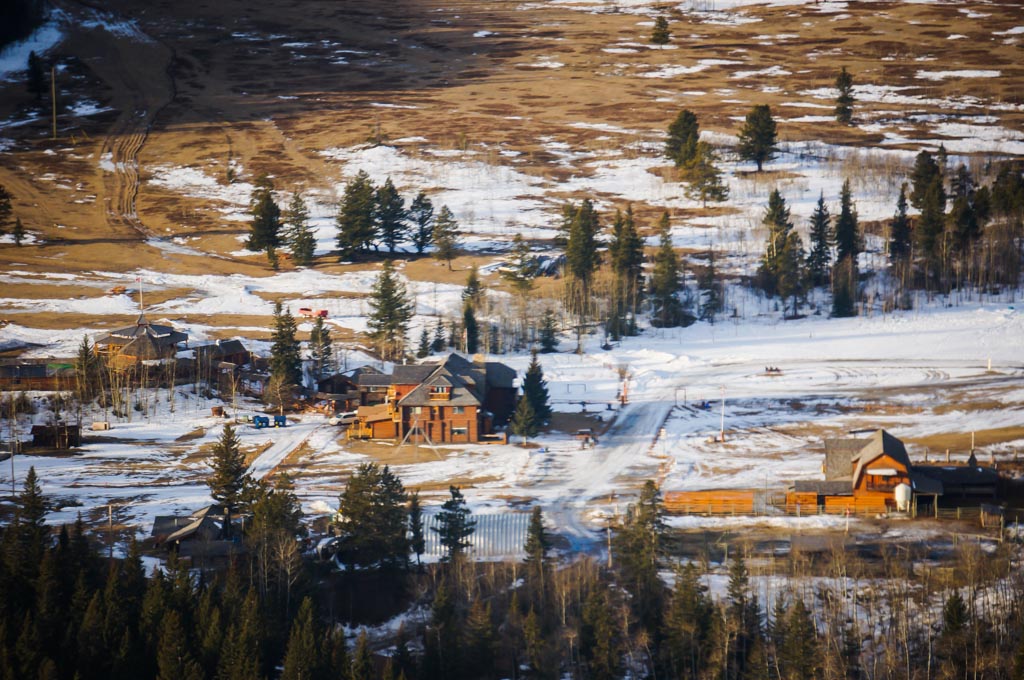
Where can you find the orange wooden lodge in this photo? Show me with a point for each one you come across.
(868, 476)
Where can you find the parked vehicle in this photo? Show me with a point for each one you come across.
(346, 418)
(280, 421)
(260, 422)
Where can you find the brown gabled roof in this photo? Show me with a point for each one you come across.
(373, 414)
(879, 444)
(839, 455)
(466, 381)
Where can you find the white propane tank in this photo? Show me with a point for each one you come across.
(903, 494)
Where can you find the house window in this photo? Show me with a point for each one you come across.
(460, 431)
(417, 410)
(440, 391)
(458, 410)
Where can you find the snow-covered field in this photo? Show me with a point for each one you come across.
(896, 370)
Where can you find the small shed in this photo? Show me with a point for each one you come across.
(59, 436)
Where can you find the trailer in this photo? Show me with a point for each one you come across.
(310, 313)
(259, 422)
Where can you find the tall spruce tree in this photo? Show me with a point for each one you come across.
(423, 348)
(524, 420)
(926, 169)
(321, 349)
(390, 313)
(357, 228)
(373, 520)
(683, 136)
(535, 389)
(704, 178)
(6, 211)
(664, 285)
(455, 525)
(844, 98)
(548, 332)
(299, 235)
(847, 232)
(638, 547)
(439, 342)
(473, 293)
(266, 217)
(819, 259)
(421, 212)
(791, 275)
(417, 541)
(285, 357)
(18, 232)
(446, 236)
(390, 215)
(175, 660)
(930, 226)
(229, 475)
(36, 83)
(777, 220)
(581, 260)
(848, 246)
(758, 138)
(711, 294)
(301, 658)
(626, 252)
(899, 231)
(470, 329)
(537, 561)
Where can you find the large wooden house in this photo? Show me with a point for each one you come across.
(862, 475)
(453, 400)
(141, 343)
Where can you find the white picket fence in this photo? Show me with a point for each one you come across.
(496, 535)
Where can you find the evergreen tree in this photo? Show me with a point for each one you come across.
(964, 217)
(266, 217)
(471, 329)
(931, 224)
(423, 348)
(455, 525)
(548, 332)
(373, 519)
(704, 177)
(637, 548)
(5, 209)
(626, 252)
(582, 259)
(743, 617)
(520, 270)
(777, 219)
(683, 136)
(362, 660)
(86, 370)
(844, 288)
(535, 389)
(229, 476)
(899, 231)
(844, 100)
(480, 641)
(757, 137)
(357, 228)
(819, 259)
(18, 232)
(390, 313)
(174, 659)
(661, 35)
(390, 215)
(285, 356)
(664, 284)
(952, 643)
(421, 212)
(799, 654)
(537, 562)
(925, 171)
(599, 640)
(36, 76)
(439, 342)
(687, 625)
(524, 420)
(446, 236)
(473, 293)
(711, 301)
(847, 233)
(300, 236)
(301, 655)
(321, 349)
(272, 259)
(791, 276)
(417, 542)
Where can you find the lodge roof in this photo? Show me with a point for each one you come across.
(160, 335)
